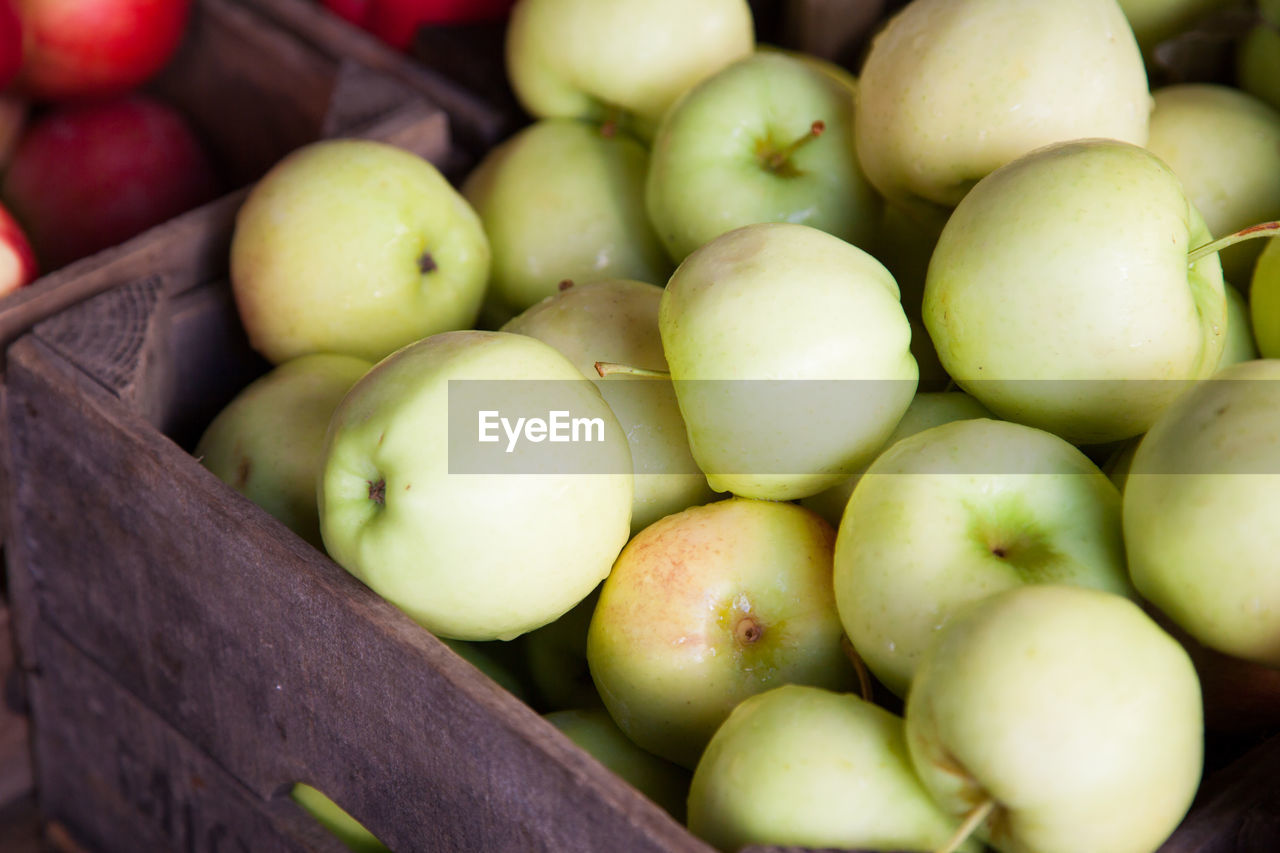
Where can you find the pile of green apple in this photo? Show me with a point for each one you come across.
(896, 321)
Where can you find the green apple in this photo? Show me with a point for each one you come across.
(267, 443)
(1153, 21)
(928, 409)
(953, 89)
(473, 547)
(1224, 145)
(483, 658)
(1264, 300)
(563, 200)
(1239, 346)
(767, 139)
(804, 767)
(707, 607)
(1200, 507)
(1067, 713)
(555, 659)
(1258, 62)
(617, 321)
(762, 306)
(595, 731)
(333, 818)
(625, 60)
(960, 511)
(357, 247)
(1062, 293)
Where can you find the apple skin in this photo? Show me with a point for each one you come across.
(79, 49)
(17, 260)
(777, 301)
(1200, 505)
(953, 89)
(396, 22)
(805, 767)
(1264, 300)
(267, 442)
(957, 512)
(469, 556)
(710, 170)
(927, 410)
(332, 817)
(1068, 707)
(10, 42)
(356, 247)
(1239, 346)
(595, 731)
(563, 200)
(555, 658)
(1059, 294)
(617, 321)
(707, 607)
(1258, 63)
(1224, 146)
(90, 176)
(626, 60)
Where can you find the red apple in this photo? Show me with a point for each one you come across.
(17, 261)
(10, 42)
(90, 176)
(396, 21)
(95, 48)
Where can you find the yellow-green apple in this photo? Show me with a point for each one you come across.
(267, 443)
(595, 731)
(83, 49)
(800, 766)
(624, 61)
(617, 321)
(88, 176)
(953, 89)
(563, 200)
(1264, 300)
(334, 818)
(1066, 293)
(1199, 512)
(1258, 56)
(357, 247)
(1153, 21)
(1066, 715)
(1239, 345)
(766, 139)
(928, 409)
(707, 607)
(1224, 145)
(475, 546)
(960, 511)
(790, 355)
(555, 660)
(483, 658)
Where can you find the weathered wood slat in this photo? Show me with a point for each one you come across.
(270, 657)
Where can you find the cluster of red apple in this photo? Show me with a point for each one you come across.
(86, 161)
(715, 267)
(397, 21)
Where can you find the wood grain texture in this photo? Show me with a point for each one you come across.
(15, 748)
(268, 656)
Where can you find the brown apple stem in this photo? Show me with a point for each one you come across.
(859, 666)
(969, 826)
(779, 158)
(610, 368)
(1264, 229)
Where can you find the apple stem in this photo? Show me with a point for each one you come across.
(1264, 229)
(970, 825)
(859, 666)
(779, 158)
(610, 368)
